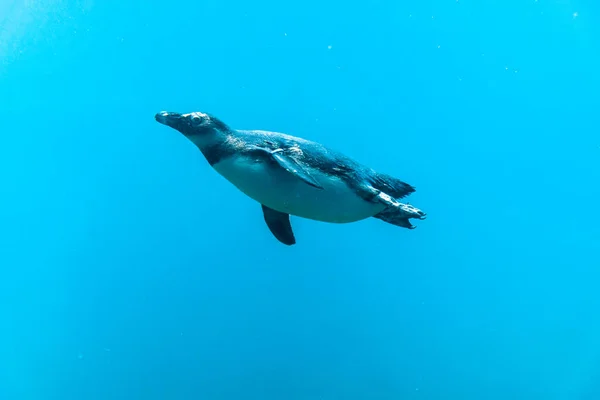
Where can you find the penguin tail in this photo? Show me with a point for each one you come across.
(392, 186)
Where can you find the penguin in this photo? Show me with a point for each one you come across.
(290, 175)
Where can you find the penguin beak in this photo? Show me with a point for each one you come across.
(171, 119)
(184, 123)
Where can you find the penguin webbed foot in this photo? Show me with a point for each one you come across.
(400, 215)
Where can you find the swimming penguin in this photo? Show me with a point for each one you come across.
(288, 175)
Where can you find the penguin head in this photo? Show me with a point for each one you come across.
(194, 126)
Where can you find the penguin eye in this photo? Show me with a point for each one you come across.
(197, 119)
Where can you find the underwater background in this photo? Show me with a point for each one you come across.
(129, 269)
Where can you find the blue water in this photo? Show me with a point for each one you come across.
(129, 269)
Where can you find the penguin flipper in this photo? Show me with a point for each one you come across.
(290, 164)
(294, 168)
(279, 225)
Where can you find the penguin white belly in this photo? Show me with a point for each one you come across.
(280, 190)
